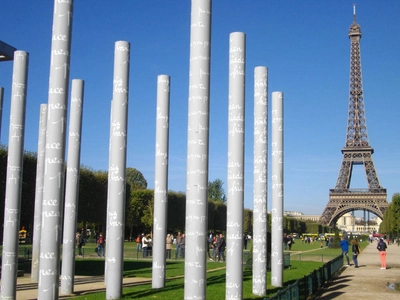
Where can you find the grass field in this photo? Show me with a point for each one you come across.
(314, 252)
(174, 288)
(304, 258)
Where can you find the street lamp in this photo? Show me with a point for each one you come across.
(6, 51)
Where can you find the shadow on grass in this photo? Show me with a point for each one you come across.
(92, 267)
(133, 268)
(173, 288)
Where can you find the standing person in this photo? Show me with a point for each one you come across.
(138, 244)
(81, 243)
(182, 242)
(168, 245)
(145, 244)
(208, 245)
(382, 253)
(77, 235)
(216, 247)
(178, 245)
(100, 245)
(290, 242)
(245, 241)
(356, 250)
(149, 245)
(285, 241)
(221, 248)
(344, 244)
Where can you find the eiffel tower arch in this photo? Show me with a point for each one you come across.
(357, 150)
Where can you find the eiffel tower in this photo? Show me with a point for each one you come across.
(357, 151)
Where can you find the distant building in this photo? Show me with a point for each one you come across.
(347, 222)
(301, 216)
(350, 223)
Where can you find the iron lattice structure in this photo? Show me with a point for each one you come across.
(357, 151)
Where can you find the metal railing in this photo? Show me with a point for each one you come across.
(312, 283)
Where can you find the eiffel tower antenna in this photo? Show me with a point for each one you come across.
(357, 150)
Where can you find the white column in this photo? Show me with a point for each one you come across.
(161, 182)
(9, 257)
(53, 191)
(197, 151)
(117, 173)
(260, 182)
(277, 264)
(72, 188)
(1, 106)
(37, 221)
(235, 195)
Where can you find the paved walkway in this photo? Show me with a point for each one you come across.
(368, 281)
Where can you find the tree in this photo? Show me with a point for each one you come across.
(391, 218)
(216, 191)
(92, 207)
(395, 214)
(248, 221)
(141, 209)
(135, 179)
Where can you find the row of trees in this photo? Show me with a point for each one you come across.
(92, 203)
(391, 219)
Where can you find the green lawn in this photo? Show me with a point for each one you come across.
(304, 259)
(174, 288)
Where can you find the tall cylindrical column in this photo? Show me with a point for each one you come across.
(161, 182)
(235, 199)
(260, 182)
(197, 150)
(72, 188)
(117, 172)
(9, 261)
(277, 190)
(37, 221)
(53, 191)
(1, 106)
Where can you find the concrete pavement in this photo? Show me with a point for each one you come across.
(368, 281)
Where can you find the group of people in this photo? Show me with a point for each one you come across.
(356, 250)
(81, 237)
(144, 243)
(217, 244)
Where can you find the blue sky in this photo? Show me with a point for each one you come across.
(304, 44)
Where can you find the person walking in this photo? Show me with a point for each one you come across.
(356, 250)
(382, 253)
(344, 244)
